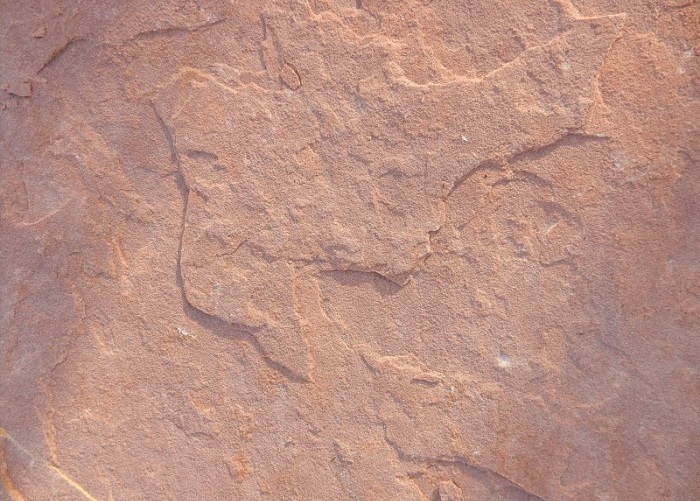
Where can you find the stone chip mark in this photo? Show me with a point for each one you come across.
(290, 77)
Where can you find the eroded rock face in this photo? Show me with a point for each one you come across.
(349, 250)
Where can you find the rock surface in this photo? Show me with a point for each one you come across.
(353, 250)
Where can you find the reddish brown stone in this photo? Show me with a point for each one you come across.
(327, 249)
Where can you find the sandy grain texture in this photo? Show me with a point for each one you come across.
(440, 250)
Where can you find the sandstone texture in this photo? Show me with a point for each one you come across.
(408, 250)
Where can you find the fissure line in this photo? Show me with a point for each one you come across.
(52, 468)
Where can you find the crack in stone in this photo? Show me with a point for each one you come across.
(51, 467)
(176, 30)
(459, 460)
(201, 317)
(58, 52)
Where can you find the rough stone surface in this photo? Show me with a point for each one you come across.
(354, 250)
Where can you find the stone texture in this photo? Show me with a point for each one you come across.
(311, 250)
